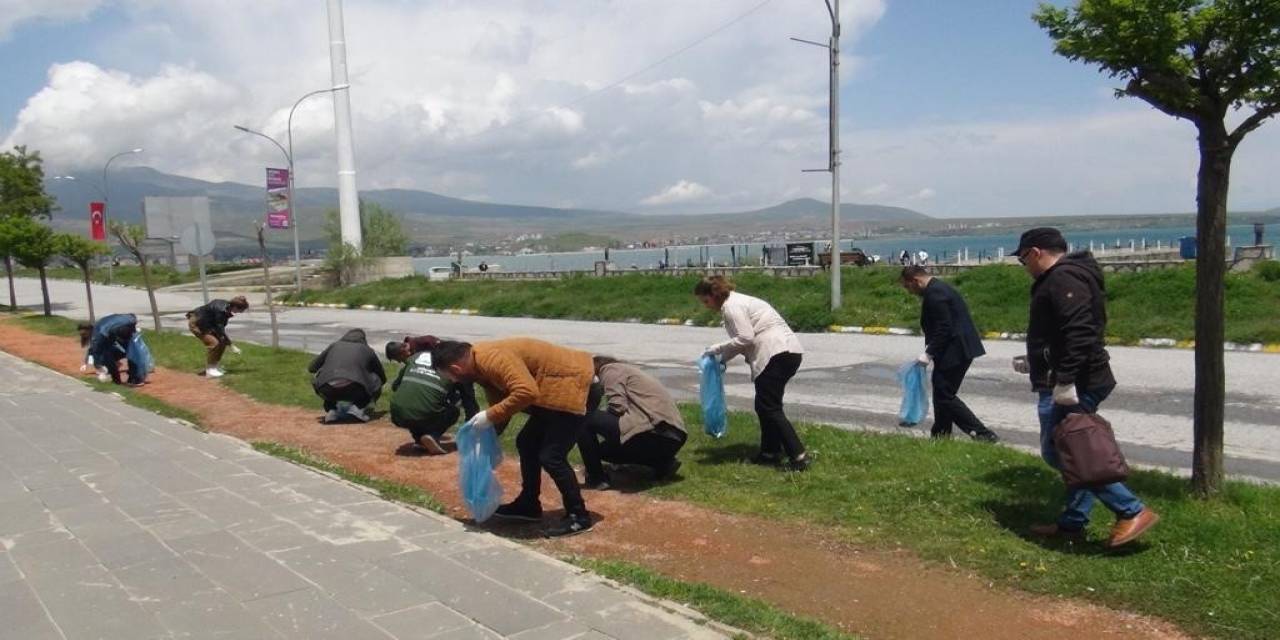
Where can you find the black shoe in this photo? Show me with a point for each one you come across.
(988, 436)
(767, 459)
(667, 472)
(518, 510)
(597, 483)
(571, 525)
(800, 464)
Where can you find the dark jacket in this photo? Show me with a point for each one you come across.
(212, 317)
(1066, 334)
(349, 359)
(111, 336)
(949, 335)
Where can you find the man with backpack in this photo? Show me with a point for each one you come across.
(1070, 369)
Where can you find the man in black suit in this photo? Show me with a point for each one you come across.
(951, 344)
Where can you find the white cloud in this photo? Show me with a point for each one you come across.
(876, 190)
(679, 193)
(926, 193)
(14, 13)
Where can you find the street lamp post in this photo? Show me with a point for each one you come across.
(288, 156)
(106, 206)
(833, 160)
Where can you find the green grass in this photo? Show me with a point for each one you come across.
(749, 614)
(1211, 566)
(161, 275)
(386, 489)
(1151, 304)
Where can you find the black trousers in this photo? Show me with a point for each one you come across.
(949, 410)
(601, 441)
(544, 445)
(353, 393)
(777, 434)
(435, 426)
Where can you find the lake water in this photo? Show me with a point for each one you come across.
(939, 248)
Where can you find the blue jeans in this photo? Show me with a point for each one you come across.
(1115, 496)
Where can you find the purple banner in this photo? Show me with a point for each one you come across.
(278, 205)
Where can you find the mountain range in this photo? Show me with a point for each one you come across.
(433, 218)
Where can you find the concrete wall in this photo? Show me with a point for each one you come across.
(384, 268)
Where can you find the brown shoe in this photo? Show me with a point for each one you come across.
(1127, 530)
(1054, 531)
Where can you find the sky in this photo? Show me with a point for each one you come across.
(955, 109)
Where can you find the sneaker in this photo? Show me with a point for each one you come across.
(668, 472)
(987, 436)
(1127, 530)
(1055, 531)
(431, 445)
(767, 459)
(800, 465)
(518, 510)
(358, 413)
(597, 483)
(572, 525)
(213, 372)
(332, 416)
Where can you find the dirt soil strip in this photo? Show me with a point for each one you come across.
(869, 592)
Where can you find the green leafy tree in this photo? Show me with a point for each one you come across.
(22, 195)
(34, 247)
(130, 237)
(9, 239)
(1199, 61)
(380, 230)
(82, 252)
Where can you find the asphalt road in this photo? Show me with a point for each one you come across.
(846, 380)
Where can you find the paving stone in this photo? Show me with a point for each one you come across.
(456, 540)
(45, 475)
(21, 614)
(271, 496)
(633, 621)
(565, 630)
(180, 524)
(281, 536)
(84, 599)
(472, 632)
(170, 476)
(352, 582)
(494, 605)
(8, 571)
(67, 495)
(533, 574)
(308, 615)
(226, 508)
(421, 621)
(333, 524)
(22, 515)
(245, 573)
(324, 489)
(88, 517)
(401, 520)
(586, 596)
(167, 582)
(125, 549)
(215, 616)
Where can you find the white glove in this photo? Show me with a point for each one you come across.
(924, 359)
(1065, 395)
(84, 368)
(103, 375)
(1021, 365)
(234, 349)
(481, 421)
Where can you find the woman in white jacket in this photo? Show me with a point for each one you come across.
(762, 337)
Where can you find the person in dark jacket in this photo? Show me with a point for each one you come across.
(411, 345)
(1070, 369)
(109, 344)
(209, 324)
(348, 371)
(422, 401)
(951, 344)
(639, 425)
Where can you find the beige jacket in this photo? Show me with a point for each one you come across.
(756, 332)
(638, 399)
(519, 373)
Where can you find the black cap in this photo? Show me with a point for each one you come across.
(1041, 238)
(394, 350)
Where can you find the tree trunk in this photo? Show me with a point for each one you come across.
(151, 292)
(8, 270)
(88, 292)
(266, 275)
(44, 292)
(1211, 267)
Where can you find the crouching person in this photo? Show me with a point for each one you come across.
(209, 323)
(551, 384)
(424, 402)
(350, 373)
(109, 344)
(639, 425)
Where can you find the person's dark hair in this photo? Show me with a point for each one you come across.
(912, 272)
(86, 333)
(598, 362)
(716, 287)
(238, 304)
(449, 352)
(395, 350)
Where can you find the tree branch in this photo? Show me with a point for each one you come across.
(1253, 122)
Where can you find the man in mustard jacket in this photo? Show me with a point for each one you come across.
(551, 384)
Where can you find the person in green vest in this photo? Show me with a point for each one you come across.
(423, 402)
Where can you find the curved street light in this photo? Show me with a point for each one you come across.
(106, 204)
(288, 156)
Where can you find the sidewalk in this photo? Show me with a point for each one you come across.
(118, 523)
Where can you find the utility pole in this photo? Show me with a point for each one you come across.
(348, 198)
(833, 145)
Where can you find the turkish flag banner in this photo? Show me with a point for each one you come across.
(97, 221)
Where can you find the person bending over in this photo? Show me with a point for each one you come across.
(639, 424)
(349, 373)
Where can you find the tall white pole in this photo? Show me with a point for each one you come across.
(835, 155)
(348, 198)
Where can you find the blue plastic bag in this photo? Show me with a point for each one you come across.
(711, 389)
(478, 455)
(140, 357)
(915, 394)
